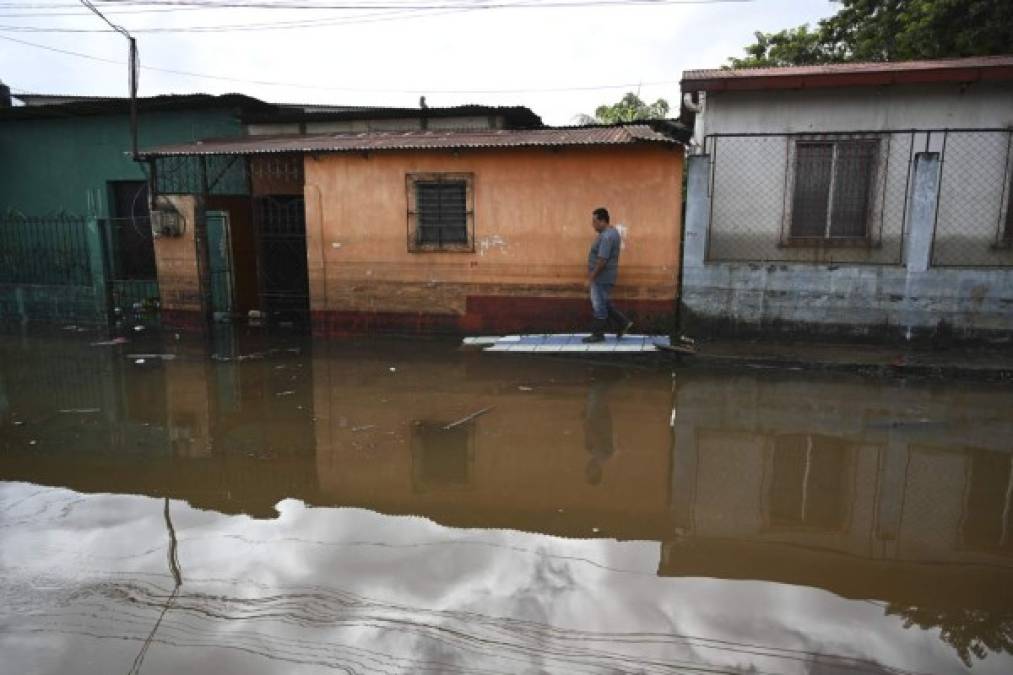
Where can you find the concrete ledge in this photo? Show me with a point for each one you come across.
(985, 364)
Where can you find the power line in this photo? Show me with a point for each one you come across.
(409, 4)
(134, 72)
(536, 90)
(119, 29)
(378, 17)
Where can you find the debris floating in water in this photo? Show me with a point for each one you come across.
(287, 392)
(80, 411)
(467, 418)
(109, 343)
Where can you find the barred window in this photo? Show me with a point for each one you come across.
(808, 483)
(833, 189)
(440, 212)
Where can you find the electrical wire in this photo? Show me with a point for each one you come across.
(318, 87)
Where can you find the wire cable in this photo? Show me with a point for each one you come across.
(318, 87)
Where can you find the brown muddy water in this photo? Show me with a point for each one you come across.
(268, 505)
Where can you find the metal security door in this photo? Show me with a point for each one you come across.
(220, 263)
(284, 280)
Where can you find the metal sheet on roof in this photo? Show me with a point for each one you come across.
(375, 141)
(851, 68)
(984, 68)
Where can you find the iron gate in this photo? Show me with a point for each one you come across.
(281, 234)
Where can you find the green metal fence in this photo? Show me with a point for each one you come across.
(75, 269)
(44, 251)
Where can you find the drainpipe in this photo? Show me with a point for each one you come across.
(696, 103)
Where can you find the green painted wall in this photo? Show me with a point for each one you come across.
(65, 164)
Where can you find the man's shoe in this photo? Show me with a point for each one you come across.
(593, 337)
(624, 330)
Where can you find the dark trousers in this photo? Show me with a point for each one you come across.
(605, 313)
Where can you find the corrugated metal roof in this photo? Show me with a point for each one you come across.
(855, 74)
(82, 107)
(516, 116)
(379, 141)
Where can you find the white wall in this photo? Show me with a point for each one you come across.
(892, 107)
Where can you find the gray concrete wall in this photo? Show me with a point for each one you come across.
(909, 299)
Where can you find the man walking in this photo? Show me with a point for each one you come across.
(602, 270)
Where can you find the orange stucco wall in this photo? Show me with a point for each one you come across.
(532, 227)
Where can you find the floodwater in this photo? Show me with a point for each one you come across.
(268, 505)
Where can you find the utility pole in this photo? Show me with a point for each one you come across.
(134, 69)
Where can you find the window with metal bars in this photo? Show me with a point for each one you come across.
(808, 482)
(440, 212)
(833, 193)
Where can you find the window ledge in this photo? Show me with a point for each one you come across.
(441, 248)
(825, 242)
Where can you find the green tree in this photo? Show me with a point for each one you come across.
(629, 109)
(889, 30)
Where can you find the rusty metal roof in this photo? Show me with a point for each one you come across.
(969, 69)
(657, 133)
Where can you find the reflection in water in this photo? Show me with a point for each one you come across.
(592, 520)
(598, 436)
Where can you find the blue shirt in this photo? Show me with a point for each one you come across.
(606, 245)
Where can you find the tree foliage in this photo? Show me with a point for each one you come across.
(973, 634)
(889, 30)
(629, 109)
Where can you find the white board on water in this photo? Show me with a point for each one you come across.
(573, 342)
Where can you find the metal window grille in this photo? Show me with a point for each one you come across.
(442, 209)
(974, 227)
(441, 214)
(833, 189)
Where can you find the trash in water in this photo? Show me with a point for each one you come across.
(138, 328)
(523, 388)
(365, 427)
(164, 357)
(18, 423)
(80, 411)
(393, 369)
(285, 393)
(139, 362)
(467, 418)
(70, 328)
(108, 343)
(32, 442)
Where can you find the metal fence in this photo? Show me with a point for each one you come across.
(73, 268)
(186, 175)
(839, 197)
(974, 223)
(49, 250)
(844, 197)
(130, 264)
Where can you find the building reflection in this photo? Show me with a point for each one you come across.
(872, 493)
(896, 495)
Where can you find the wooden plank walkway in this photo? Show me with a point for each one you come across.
(560, 343)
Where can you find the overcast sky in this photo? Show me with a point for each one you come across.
(389, 55)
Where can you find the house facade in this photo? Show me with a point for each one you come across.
(449, 231)
(75, 238)
(861, 200)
